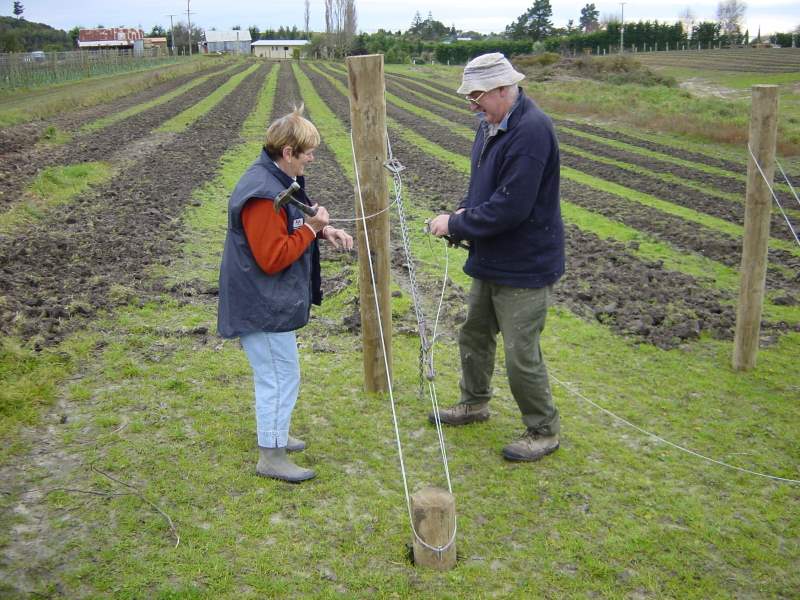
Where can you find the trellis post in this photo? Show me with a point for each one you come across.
(368, 122)
(433, 515)
(753, 271)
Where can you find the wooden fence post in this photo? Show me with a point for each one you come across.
(433, 514)
(753, 271)
(368, 121)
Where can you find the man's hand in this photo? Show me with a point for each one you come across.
(440, 225)
(338, 237)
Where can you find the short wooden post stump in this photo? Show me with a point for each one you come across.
(433, 514)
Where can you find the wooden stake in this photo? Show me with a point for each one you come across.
(368, 121)
(433, 513)
(753, 271)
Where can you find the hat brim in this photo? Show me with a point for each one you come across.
(467, 87)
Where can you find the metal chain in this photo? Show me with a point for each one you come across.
(395, 167)
(441, 549)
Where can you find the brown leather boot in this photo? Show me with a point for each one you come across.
(531, 446)
(462, 414)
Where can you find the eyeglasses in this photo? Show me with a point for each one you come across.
(476, 100)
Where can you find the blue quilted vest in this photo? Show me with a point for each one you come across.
(250, 300)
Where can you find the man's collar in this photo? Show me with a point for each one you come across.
(503, 126)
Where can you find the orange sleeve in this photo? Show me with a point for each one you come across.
(272, 247)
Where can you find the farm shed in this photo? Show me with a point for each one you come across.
(277, 48)
(110, 37)
(156, 42)
(229, 42)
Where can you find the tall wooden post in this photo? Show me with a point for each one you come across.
(753, 272)
(368, 121)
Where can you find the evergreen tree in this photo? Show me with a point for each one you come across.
(416, 23)
(539, 24)
(589, 20)
(74, 33)
(18, 9)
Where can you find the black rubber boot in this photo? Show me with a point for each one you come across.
(295, 445)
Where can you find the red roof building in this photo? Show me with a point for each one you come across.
(110, 37)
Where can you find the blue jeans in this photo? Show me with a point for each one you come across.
(276, 375)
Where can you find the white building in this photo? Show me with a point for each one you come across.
(277, 49)
(234, 42)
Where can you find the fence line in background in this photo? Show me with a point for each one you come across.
(32, 69)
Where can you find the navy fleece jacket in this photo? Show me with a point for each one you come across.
(512, 212)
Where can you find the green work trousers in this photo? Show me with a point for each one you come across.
(519, 314)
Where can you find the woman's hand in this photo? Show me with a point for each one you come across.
(338, 237)
(320, 220)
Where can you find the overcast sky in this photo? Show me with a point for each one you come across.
(770, 15)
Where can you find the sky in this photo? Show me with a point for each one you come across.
(484, 17)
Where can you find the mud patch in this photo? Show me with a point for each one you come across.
(95, 252)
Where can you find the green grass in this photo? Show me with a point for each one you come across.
(158, 404)
(182, 121)
(52, 187)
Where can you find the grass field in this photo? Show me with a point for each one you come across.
(128, 467)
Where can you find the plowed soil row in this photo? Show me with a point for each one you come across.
(459, 115)
(682, 195)
(682, 235)
(326, 183)
(19, 169)
(95, 252)
(753, 60)
(696, 157)
(462, 117)
(335, 192)
(724, 184)
(676, 193)
(733, 212)
(19, 137)
(603, 281)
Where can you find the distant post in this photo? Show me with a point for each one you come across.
(368, 122)
(753, 271)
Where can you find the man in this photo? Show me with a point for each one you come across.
(511, 217)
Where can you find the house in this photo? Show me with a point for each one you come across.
(228, 42)
(160, 43)
(108, 37)
(277, 49)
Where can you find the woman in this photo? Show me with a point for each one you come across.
(270, 276)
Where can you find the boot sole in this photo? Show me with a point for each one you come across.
(529, 458)
(475, 419)
(284, 478)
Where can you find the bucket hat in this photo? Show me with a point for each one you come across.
(488, 71)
